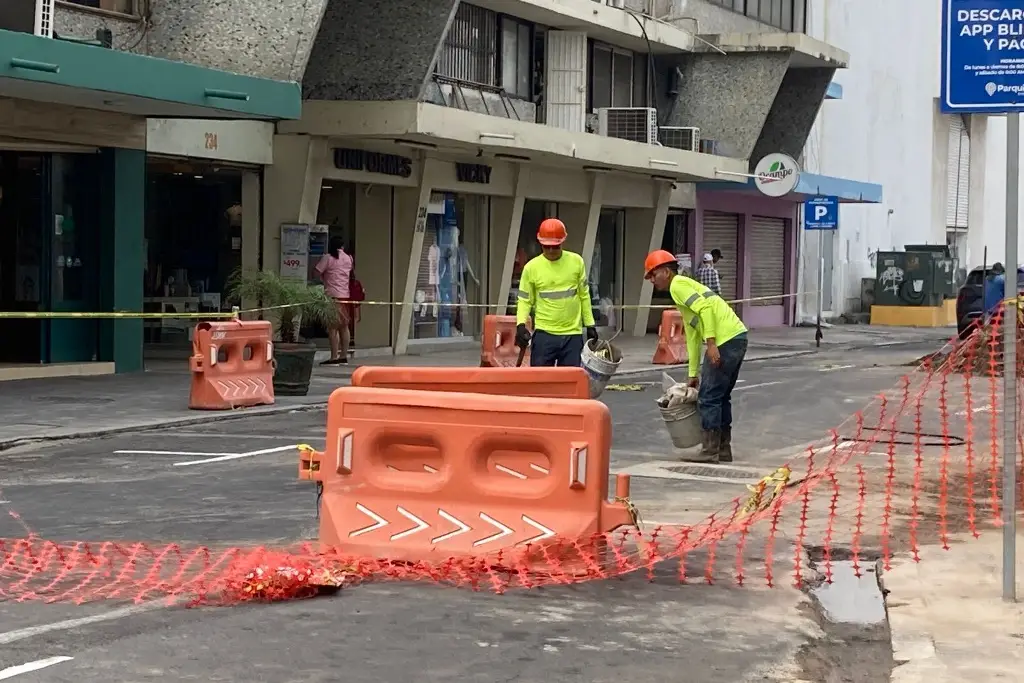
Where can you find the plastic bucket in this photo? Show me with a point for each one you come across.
(599, 370)
(683, 424)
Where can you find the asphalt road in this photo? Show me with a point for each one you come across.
(189, 485)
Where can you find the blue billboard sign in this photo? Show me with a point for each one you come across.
(982, 56)
(821, 213)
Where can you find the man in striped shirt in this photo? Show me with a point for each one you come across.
(708, 276)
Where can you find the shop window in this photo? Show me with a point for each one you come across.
(676, 238)
(470, 50)
(452, 269)
(516, 41)
(534, 212)
(611, 77)
(120, 6)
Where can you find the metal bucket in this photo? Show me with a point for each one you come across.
(600, 370)
(683, 424)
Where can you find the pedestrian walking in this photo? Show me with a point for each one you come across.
(707, 274)
(553, 285)
(707, 319)
(335, 269)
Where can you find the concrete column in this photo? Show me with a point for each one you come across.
(940, 178)
(251, 222)
(597, 181)
(512, 240)
(663, 192)
(291, 190)
(419, 227)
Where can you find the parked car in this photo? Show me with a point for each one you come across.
(969, 300)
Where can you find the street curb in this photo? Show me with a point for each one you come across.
(203, 418)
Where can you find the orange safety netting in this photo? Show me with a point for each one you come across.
(921, 465)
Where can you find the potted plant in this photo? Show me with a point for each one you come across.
(296, 300)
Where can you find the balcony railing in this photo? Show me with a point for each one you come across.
(477, 97)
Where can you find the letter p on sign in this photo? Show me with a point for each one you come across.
(820, 212)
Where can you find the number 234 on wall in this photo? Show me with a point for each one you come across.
(211, 141)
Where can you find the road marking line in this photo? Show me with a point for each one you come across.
(756, 386)
(12, 671)
(236, 456)
(180, 453)
(68, 624)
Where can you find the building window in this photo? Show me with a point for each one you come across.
(789, 15)
(470, 50)
(516, 44)
(119, 6)
(611, 77)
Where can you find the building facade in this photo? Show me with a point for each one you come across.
(435, 154)
(81, 103)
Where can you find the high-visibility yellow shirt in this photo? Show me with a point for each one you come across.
(705, 316)
(558, 294)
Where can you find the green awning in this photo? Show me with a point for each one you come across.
(52, 70)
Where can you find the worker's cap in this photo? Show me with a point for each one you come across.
(708, 258)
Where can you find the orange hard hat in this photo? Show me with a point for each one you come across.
(551, 232)
(657, 258)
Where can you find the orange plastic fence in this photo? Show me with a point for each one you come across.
(919, 466)
(671, 340)
(541, 382)
(232, 365)
(495, 475)
(498, 343)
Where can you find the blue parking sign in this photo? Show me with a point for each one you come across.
(982, 56)
(821, 213)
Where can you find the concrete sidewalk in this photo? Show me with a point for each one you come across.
(90, 406)
(947, 620)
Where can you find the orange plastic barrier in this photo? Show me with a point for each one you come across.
(498, 343)
(504, 473)
(671, 340)
(541, 382)
(232, 365)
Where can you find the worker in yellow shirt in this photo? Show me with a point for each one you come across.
(554, 286)
(707, 318)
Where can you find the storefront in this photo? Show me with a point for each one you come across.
(758, 236)
(73, 192)
(444, 237)
(203, 181)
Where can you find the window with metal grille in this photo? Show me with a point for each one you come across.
(789, 15)
(470, 50)
(611, 77)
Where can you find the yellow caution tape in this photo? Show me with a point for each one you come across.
(221, 315)
(774, 484)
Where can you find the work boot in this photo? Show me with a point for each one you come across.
(710, 446)
(725, 452)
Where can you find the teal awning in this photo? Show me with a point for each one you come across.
(52, 70)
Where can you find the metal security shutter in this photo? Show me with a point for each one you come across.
(767, 239)
(721, 231)
(959, 174)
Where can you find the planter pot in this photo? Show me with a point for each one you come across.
(294, 368)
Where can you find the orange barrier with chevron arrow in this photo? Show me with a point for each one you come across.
(456, 498)
(232, 365)
(557, 382)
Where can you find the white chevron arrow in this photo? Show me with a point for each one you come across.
(544, 531)
(380, 521)
(463, 527)
(420, 525)
(503, 530)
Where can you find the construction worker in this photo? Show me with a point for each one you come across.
(554, 286)
(706, 317)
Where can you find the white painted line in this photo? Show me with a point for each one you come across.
(176, 453)
(246, 435)
(68, 624)
(538, 468)
(757, 386)
(833, 368)
(12, 671)
(510, 471)
(236, 456)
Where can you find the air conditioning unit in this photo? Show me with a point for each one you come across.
(639, 124)
(621, 4)
(27, 16)
(680, 137)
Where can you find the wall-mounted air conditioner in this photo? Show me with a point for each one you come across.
(621, 4)
(27, 16)
(639, 124)
(680, 137)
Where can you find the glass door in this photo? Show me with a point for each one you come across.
(73, 251)
(606, 272)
